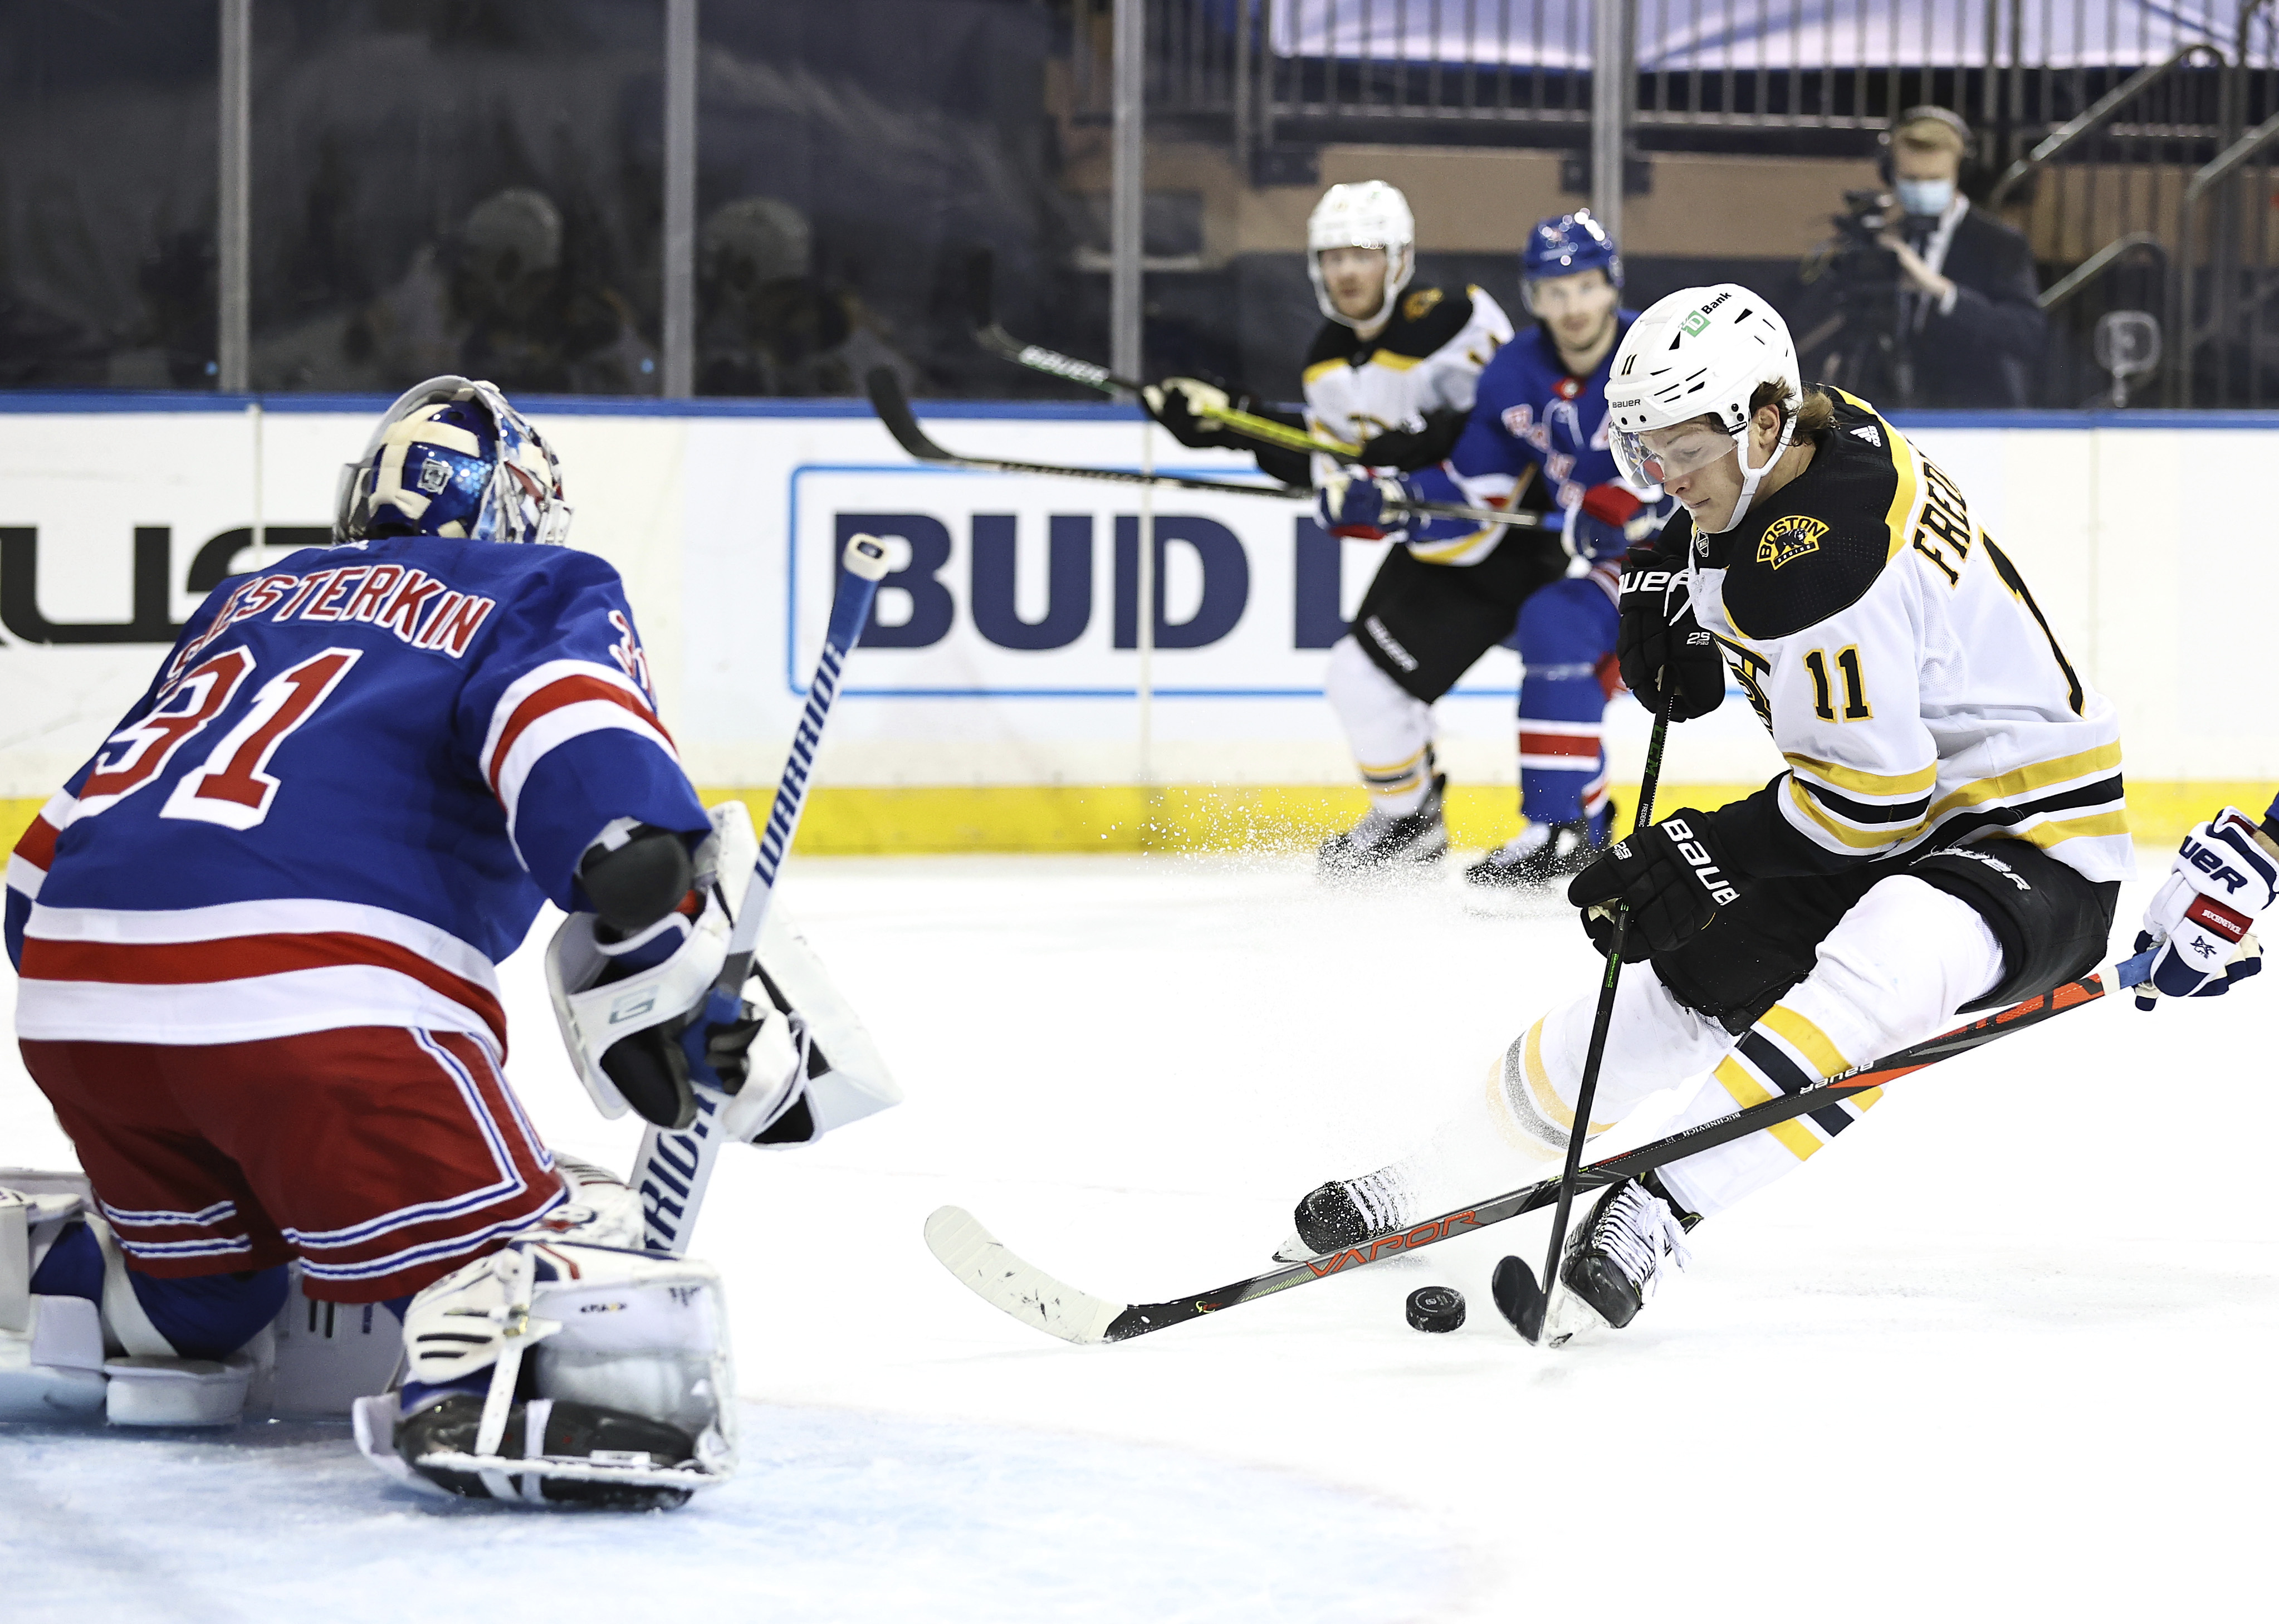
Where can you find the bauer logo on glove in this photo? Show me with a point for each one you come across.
(2201, 919)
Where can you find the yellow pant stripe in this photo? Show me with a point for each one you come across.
(1747, 1090)
(1807, 1039)
(1538, 1084)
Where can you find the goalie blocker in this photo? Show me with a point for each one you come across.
(644, 1021)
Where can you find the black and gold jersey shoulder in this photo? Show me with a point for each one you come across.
(1426, 319)
(1820, 542)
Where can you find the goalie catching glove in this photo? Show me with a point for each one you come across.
(2202, 918)
(646, 1022)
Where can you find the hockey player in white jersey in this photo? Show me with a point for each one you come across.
(1393, 371)
(257, 935)
(1948, 834)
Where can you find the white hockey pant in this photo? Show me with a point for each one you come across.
(1894, 971)
(1389, 730)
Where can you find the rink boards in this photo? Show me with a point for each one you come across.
(1007, 697)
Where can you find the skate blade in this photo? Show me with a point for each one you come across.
(1296, 1251)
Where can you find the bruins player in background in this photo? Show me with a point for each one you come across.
(1394, 370)
(1947, 835)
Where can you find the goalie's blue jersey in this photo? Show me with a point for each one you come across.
(347, 791)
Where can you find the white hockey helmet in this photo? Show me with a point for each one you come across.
(1700, 352)
(1362, 214)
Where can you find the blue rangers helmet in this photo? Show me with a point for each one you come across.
(1563, 244)
(451, 458)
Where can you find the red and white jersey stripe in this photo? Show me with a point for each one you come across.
(237, 971)
(35, 851)
(547, 706)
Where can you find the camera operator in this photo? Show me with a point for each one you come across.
(1924, 299)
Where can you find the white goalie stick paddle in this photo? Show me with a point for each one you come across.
(675, 1164)
(1005, 1281)
(893, 407)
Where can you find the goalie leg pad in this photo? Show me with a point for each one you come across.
(606, 1377)
(87, 1346)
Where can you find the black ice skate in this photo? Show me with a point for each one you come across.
(1544, 855)
(1614, 1260)
(1346, 1212)
(1382, 841)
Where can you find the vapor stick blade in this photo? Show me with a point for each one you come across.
(990, 1269)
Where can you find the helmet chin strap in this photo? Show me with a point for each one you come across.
(1751, 477)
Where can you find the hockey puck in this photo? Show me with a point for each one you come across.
(1436, 1308)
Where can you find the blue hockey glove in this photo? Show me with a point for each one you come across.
(2225, 874)
(1608, 520)
(1361, 508)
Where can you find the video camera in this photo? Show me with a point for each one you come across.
(1860, 259)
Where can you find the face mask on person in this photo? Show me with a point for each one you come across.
(1925, 199)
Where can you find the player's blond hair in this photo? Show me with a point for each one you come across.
(1811, 417)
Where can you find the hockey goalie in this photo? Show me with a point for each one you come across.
(257, 935)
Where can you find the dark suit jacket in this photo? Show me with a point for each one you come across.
(1988, 349)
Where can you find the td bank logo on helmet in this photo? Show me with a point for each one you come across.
(1697, 856)
(1698, 323)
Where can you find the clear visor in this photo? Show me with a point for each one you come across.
(1659, 456)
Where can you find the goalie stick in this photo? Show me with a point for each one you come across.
(675, 1165)
(999, 1277)
(894, 408)
(992, 337)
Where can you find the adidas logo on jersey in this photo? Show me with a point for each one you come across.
(1869, 432)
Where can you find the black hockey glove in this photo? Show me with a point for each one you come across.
(1421, 442)
(1176, 404)
(1672, 875)
(1660, 645)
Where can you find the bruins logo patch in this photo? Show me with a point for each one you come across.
(1787, 539)
(1417, 304)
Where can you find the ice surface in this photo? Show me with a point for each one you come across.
(2003, 1351)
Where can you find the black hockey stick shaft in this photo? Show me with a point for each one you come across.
(1601, 1022)
(1140, 1318)
(990, 334)
(893, 407)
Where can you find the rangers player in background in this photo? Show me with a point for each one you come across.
(256, 933)
(1540, 409)
(1948, 834)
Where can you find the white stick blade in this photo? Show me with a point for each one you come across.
(995, 1274)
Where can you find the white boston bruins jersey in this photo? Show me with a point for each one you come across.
(1914, 688)
(1428, 357)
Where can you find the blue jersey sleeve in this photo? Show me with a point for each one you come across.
(561, 718)
(1487, 463)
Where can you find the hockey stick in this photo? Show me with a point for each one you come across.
(1001, 1278)
(991, 336)
(675, 1165)
(894, 408)
(1514, 1291)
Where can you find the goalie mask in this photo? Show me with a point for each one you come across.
(451, 458)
